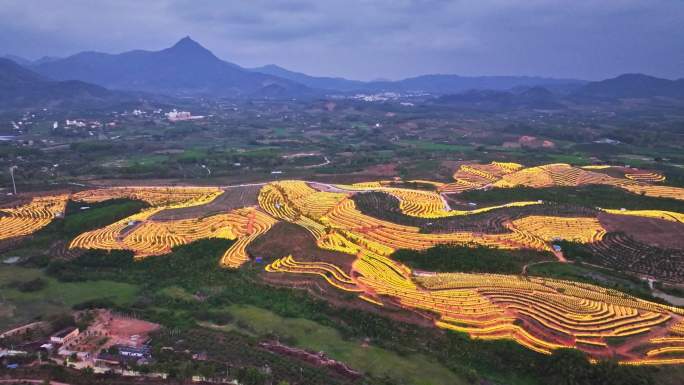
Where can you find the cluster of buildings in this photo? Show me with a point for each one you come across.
(176, 116)
(103, 346)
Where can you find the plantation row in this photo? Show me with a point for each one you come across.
(474, 176)
(566, 175)
(540, 314)
(154, 196)
(147, 237)
(31, 217)
(507, 175)
(330, 272)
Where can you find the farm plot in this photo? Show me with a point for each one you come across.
(147, 237)
(31, 217)
(369, 221)
(541, 314)
(231, 198)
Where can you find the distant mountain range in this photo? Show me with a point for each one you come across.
(188, 69)
(23, 88)
(434, 84)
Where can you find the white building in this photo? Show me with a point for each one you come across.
(64, 336)
(175, 116)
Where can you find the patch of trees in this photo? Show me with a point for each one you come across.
(469, 259)
(78, 220)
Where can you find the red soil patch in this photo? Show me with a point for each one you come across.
(534, 142)
(123, 330)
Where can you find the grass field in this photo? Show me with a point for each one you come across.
(56, 297)
(303, 333)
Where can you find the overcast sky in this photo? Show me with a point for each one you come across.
(368, 39)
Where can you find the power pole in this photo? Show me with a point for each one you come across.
(14, 186)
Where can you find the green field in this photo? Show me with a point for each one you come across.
(56, 297)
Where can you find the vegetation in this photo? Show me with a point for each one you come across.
(76, 221)
(80, 217)
(470, 259)
(27, 293)
(235, 291)
(587, 196)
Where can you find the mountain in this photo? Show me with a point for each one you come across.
(186, 68)
(632, 86)
(23, 88)
(451, 84)
(322, 83)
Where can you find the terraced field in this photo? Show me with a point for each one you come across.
(31, 217)
(369, 221)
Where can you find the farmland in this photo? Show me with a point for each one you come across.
(370, 221)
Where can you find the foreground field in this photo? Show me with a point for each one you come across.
(542, 314)
(315, 337)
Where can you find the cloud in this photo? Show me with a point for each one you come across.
(371, 38)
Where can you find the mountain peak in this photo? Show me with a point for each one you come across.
(187, 45)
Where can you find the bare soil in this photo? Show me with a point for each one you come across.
(285, 239)
(232, 198)
(652, 231)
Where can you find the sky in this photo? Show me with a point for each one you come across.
(370, 39)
